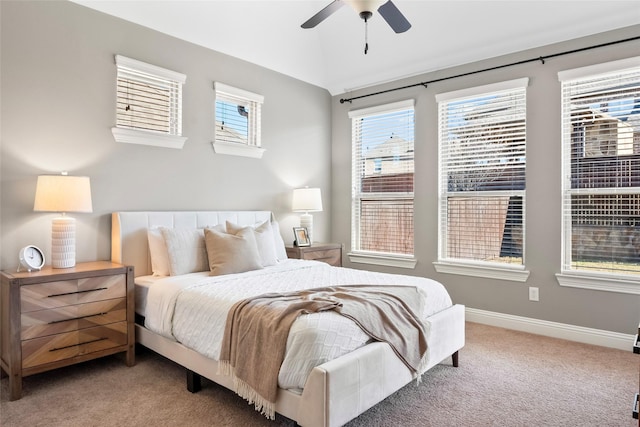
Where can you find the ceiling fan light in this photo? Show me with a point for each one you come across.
(365, 5)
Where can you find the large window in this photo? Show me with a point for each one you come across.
(238, 115)
(382, 196)
(148, 104)
(482, 158)
(601, 170)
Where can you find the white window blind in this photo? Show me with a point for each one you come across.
(601, 169)
(149, 98)
(482, 158)
(238, 116)
(382, 167)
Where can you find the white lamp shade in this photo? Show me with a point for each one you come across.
(63, 193)
(365, 5)
(307, 200)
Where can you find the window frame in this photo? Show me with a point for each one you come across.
(570, 277)
(127, 68)
(469, 267)
(253, 146)
(356, 255)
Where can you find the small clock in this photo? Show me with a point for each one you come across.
(31, 258)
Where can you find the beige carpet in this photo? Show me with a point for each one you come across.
(505, 378)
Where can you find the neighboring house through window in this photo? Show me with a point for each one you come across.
(601, 176)
(149, 104)
(238, 115)
(382, 191)
(482, 159)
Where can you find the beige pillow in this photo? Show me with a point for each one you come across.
(231, 253)
(264, 241)
(186, 250)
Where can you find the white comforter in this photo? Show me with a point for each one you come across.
(192, 309)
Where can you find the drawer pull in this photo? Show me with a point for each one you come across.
(79, 344)
(76, 292)
(76, 318)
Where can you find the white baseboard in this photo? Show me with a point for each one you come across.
(552, 329)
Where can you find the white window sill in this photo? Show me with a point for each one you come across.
(133, 136)
(600, 282)
(238, 149)
(490, 271)
(386, 260)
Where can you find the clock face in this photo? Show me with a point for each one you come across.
(31, 258)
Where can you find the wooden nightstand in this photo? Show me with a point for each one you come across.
(331, 253)
(58, 317)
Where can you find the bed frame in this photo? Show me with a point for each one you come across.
(336, 391)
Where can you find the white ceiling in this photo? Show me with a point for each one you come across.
(331, 55)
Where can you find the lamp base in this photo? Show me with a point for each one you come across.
(63, 242)
(306, 221)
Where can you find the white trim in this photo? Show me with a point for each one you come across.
(134, 64)
(383, 109)
(513, 273)
(594, 70)
(135, 136)
(238, 93)
(546, 328)
(600, 282)
(238, 149)
(386, 260)
(482, 90)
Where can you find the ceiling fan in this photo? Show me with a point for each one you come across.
(365, 9)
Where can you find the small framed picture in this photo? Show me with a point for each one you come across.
(301, 236)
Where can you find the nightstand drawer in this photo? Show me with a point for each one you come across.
(68, 292)
(40, 351)
(330, 256)
(73, 317)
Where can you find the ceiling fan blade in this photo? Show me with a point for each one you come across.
(323, 14)
(394, 17)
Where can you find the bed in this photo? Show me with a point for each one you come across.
(331, 393)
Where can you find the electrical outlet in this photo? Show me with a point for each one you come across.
(534, 294)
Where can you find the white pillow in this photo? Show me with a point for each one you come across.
(281, 251)
(186, 250)
(158, 252)
(231, 253)
(264, 241)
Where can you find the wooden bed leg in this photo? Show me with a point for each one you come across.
(454, 359)
(194, 381)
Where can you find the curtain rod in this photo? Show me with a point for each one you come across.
(539, 58)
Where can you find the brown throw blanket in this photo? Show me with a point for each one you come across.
(256, 332)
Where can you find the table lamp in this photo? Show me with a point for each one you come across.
(307, 200)
(63, 193)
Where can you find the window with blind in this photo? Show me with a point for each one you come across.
(237, 121)
(148, 104)
(482, 159)
(382, 195)
(601, 170)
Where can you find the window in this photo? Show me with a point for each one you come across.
(601, 173)
(149, 104)
(482, 158)
(237, 122)
(382, 196)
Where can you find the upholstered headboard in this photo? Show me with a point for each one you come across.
(129, 244)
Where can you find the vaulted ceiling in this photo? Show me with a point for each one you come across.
(331, 55)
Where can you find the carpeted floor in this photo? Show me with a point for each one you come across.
(505, 378)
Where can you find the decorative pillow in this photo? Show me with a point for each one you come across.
(281, 251)
(264, 240)
(186, 250)
(231, 253)
(158, 252)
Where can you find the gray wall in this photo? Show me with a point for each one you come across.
(58, 107)
(588, 308)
